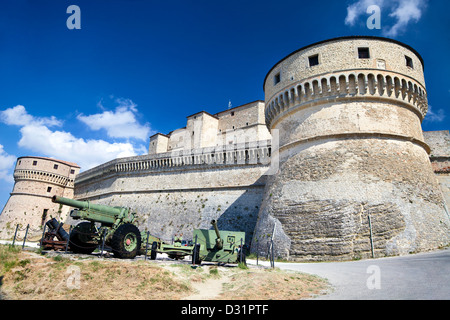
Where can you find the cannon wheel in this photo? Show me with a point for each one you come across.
(126, 241)
(80, 239)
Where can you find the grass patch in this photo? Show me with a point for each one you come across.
(272, 284)
(31, 276)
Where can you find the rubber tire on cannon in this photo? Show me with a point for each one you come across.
(80, 239)
(126, 241)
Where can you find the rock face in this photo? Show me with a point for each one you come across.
(354, 178)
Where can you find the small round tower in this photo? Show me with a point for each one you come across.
(354, 176)
(37, 179)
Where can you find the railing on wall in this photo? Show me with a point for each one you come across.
(253, 153)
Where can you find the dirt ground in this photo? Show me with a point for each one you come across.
(26, 275)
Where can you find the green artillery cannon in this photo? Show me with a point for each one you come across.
(209, 245)
(117, 228)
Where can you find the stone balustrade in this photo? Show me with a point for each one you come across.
(253, 153)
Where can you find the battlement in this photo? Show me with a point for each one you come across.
(44, 176)
(360, 84)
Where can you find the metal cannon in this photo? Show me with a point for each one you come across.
(208, 245)
(117, 228)
(55, 230)
(218, 246)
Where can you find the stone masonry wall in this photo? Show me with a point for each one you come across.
(171, 197)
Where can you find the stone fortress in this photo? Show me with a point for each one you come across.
(37, 179)
(333, 165)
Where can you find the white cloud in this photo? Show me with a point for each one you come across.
(65, 146)
(121, 123)
(7, 162)
(403, 11)
(19, 116)
(359, 8)
(407, 10)
(433, 116)
(37, 137)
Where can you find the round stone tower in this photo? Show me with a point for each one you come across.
(354, 177)
(37, 179)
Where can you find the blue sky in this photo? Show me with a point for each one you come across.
(138, 67)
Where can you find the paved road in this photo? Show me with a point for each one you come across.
(420, 276)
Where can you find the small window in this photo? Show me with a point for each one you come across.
(72, 171)
(55, 166)
(277, 78)
(313, 60)
(232, 113)
(409, 62)
(363, 53)
(34, 163)
(49, 189)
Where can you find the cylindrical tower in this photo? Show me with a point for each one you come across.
(354, 176)
(37, 179)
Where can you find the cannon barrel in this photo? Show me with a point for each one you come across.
(54, 225)
(219, 241)
(86, 205)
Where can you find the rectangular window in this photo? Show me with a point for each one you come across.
(55, 166)
(313, 60)
(277, 78)
(409, 62)
(49, 189)
(34, 163)
(72, 171)
(363, 53)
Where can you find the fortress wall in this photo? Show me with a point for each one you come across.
(171, 198)
(439, 142)
(348, 112)
(322, 200)
(242, 116)
(36, 179)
